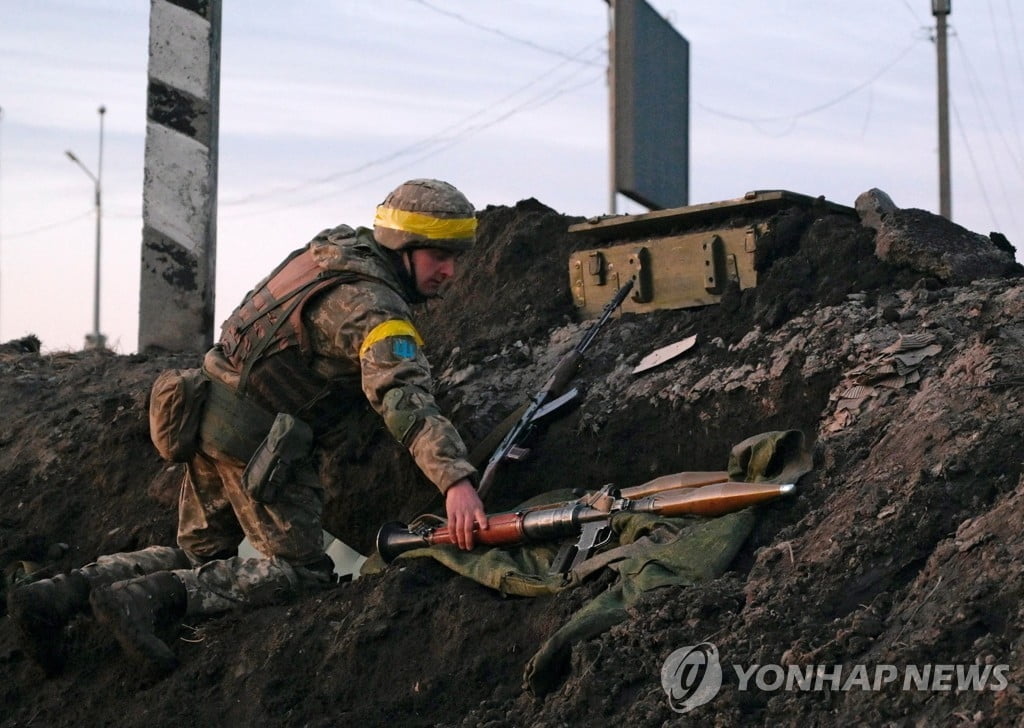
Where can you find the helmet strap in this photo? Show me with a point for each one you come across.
(405, 269)
(410, 265)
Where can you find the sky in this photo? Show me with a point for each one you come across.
(325, 106)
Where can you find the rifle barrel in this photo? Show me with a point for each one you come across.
(609, 309)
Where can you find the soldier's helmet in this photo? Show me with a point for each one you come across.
(425, 213)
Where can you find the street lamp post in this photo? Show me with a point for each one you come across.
(95, 340)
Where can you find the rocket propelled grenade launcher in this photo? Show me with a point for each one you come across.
(510, 447)
(592, 522)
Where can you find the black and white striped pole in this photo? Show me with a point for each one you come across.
(179, 205)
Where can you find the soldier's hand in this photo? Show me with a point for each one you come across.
(465, 510)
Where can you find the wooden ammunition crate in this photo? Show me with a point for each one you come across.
(679, 258)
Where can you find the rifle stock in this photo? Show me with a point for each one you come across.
(554, 522)
(564, 372)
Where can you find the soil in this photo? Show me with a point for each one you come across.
(902, 547)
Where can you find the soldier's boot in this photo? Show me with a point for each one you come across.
(41, 610)
(136, 609)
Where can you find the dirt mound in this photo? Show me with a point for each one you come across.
(901, 552)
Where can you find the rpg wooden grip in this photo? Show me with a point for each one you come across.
(502, 529)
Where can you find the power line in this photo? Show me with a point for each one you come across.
(122, 215)
(981, 103)
(792, 118)
(978, 91)
(441, 146)
(439, 141)
(50, 226)
(414, 148)
(974, 164)
(501, 33)
(912, 12)
(1016, 39)
(1006, 81)
(473, 130)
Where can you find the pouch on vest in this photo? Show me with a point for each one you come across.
(289, 441)
(175, 411)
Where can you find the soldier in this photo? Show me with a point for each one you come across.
(331, 323)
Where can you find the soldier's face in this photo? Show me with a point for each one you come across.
(432, 268)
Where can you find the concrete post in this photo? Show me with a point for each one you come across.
(179, 198)
(941, 9)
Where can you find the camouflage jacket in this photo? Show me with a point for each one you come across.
(356, 337)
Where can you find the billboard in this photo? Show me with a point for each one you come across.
(650, 107)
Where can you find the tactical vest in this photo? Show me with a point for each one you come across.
(266, 340)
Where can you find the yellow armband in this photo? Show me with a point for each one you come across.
(407, 338)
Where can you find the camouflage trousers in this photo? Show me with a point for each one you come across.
(214, 514)
(119, 567)
(216, 586)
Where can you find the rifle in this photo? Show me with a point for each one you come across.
(591, 522)
(541, 404)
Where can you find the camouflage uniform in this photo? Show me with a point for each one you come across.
(361, 344)
(327, 331)
(118, 567)
(214, 587)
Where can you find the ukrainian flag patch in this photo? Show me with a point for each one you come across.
(400, 335)
(404, 347)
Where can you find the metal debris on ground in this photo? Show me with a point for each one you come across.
(875, 382)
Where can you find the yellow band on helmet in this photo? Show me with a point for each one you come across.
(433, 228)
(394, 327)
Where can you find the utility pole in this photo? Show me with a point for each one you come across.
(612, 191)
(95, 340)
(1, 216)
(941, 9)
